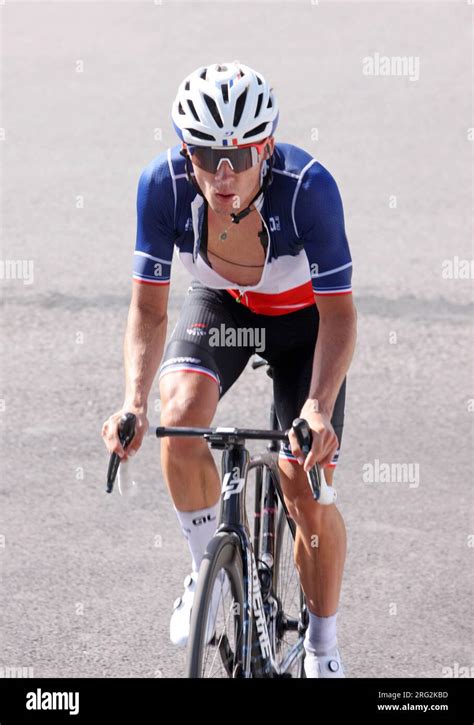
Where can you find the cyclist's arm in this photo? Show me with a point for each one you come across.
(144, 342)
(143, 349)
(334, 349)
(319, 221)
(147, 318)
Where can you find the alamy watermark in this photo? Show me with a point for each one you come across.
(457, 670)
(457, 268)
(392, 65)
(44, 700)
(21, 269)
(16, 672)
(223, 336)
(379, 472)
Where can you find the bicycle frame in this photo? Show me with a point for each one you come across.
(236, 465)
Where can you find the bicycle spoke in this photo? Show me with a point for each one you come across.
(220, 652)
(290, 598)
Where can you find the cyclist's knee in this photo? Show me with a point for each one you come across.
(187, 400)
(298, 497)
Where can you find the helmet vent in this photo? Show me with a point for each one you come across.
(187, 85)
(239, 107)
(211, 104)
(193, 110)
(259, 80)
(255, 131)
(259, 104)
(225, 92)
(200, 134)
(221, 68)
(203, 74)
(180, 109)
(270, 104)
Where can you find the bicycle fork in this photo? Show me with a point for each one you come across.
(260, 639)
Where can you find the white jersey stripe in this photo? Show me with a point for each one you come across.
(150, 256)
(286, 173)
(333, 292)
(332, 271)
(293, 203)
(148, 280)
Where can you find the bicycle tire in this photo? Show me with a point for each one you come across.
(223, 554)
(284, 538)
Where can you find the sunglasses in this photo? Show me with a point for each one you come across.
(209, 158)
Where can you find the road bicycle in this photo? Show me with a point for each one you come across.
(249, 615)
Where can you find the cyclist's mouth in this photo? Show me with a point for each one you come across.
(224, 197)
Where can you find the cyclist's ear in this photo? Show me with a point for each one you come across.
(269, 146)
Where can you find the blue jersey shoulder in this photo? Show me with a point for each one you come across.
(155, 222)
(290, 159)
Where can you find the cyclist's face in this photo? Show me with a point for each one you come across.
(236, 189)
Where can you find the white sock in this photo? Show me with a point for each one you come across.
(321, 634)
(198, 528)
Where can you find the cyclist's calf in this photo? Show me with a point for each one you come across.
(320, 544)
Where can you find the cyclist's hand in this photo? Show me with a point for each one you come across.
(325, 441)
(110, 433)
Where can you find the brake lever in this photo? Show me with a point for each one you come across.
(126, 431)
(322, 493)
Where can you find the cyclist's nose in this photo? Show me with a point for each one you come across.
(225, 171)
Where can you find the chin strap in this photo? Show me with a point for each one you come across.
(267, 180)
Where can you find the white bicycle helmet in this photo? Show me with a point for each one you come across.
(224, 104)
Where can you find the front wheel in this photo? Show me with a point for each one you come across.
(216, 638)
(292, 614)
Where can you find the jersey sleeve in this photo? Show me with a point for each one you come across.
(155, 224)
(319, 223)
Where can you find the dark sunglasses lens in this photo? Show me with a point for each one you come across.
(208, 159)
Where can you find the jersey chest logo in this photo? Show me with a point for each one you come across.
(274, 223)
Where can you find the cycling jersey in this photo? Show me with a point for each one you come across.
(301, 211)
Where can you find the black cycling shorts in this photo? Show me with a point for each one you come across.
(215, 336)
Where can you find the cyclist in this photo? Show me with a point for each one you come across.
(260, 227)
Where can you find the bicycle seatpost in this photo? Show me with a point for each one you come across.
(322, 493)
(126, 431)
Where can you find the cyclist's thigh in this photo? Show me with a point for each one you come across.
(199, 341)
(291, 388)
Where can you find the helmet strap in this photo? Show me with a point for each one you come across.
(266, 182)
(190, 177)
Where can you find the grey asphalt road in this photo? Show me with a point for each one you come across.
(88, 580)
